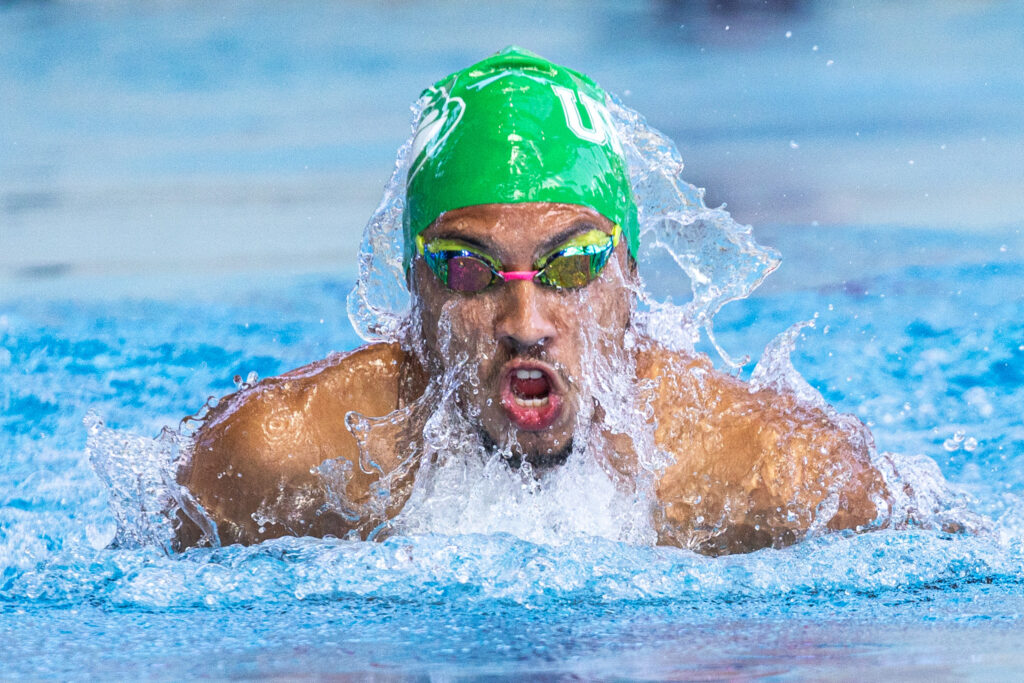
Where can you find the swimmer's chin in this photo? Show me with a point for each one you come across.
(541, 460)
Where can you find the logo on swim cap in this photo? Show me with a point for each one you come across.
(435, 125)
(601, 129)
(516, 128)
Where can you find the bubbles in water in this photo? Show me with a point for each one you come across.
(954, 442)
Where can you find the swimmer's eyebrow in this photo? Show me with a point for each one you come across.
(577, 228)
(459, 237)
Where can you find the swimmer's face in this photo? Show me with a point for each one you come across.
(525, 343)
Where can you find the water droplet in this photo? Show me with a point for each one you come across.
(99, 536)
(830, 62)
(793, 144)
(953, 443)
(814, 49)
(970, 444)
(789, 34)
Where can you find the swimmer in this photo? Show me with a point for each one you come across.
(521, 234)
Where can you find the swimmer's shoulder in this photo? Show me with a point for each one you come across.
(679, 376)
(687, 397)
(365, 380)
(683, 379)
(262, 445)
(763, 459)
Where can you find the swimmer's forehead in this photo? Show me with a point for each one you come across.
(508, 228)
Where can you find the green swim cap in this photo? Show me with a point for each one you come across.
(516, 128)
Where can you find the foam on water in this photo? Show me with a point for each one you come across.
(477, 567)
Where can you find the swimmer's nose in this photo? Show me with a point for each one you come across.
(522, 321)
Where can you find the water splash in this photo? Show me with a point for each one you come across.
(378, 305)
(140, 477)
(433, 473)
(718, 256)
(452, 479)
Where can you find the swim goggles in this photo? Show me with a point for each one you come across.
(574, 264)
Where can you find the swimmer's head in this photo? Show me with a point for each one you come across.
(511, 129)
(519, 227)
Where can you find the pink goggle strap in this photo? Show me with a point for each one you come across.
(517, 274)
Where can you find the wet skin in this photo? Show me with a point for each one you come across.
(751, 470)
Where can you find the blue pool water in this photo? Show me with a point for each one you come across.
(183, 210)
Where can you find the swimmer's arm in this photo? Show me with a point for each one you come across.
(758, 469)
(254, 459)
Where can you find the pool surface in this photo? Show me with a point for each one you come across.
(152, 253)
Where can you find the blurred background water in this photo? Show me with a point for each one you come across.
(165, 136)
(182, 190)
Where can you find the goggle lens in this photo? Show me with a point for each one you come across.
(468, 274)
(567, 271)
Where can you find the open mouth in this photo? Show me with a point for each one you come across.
(530, 397)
